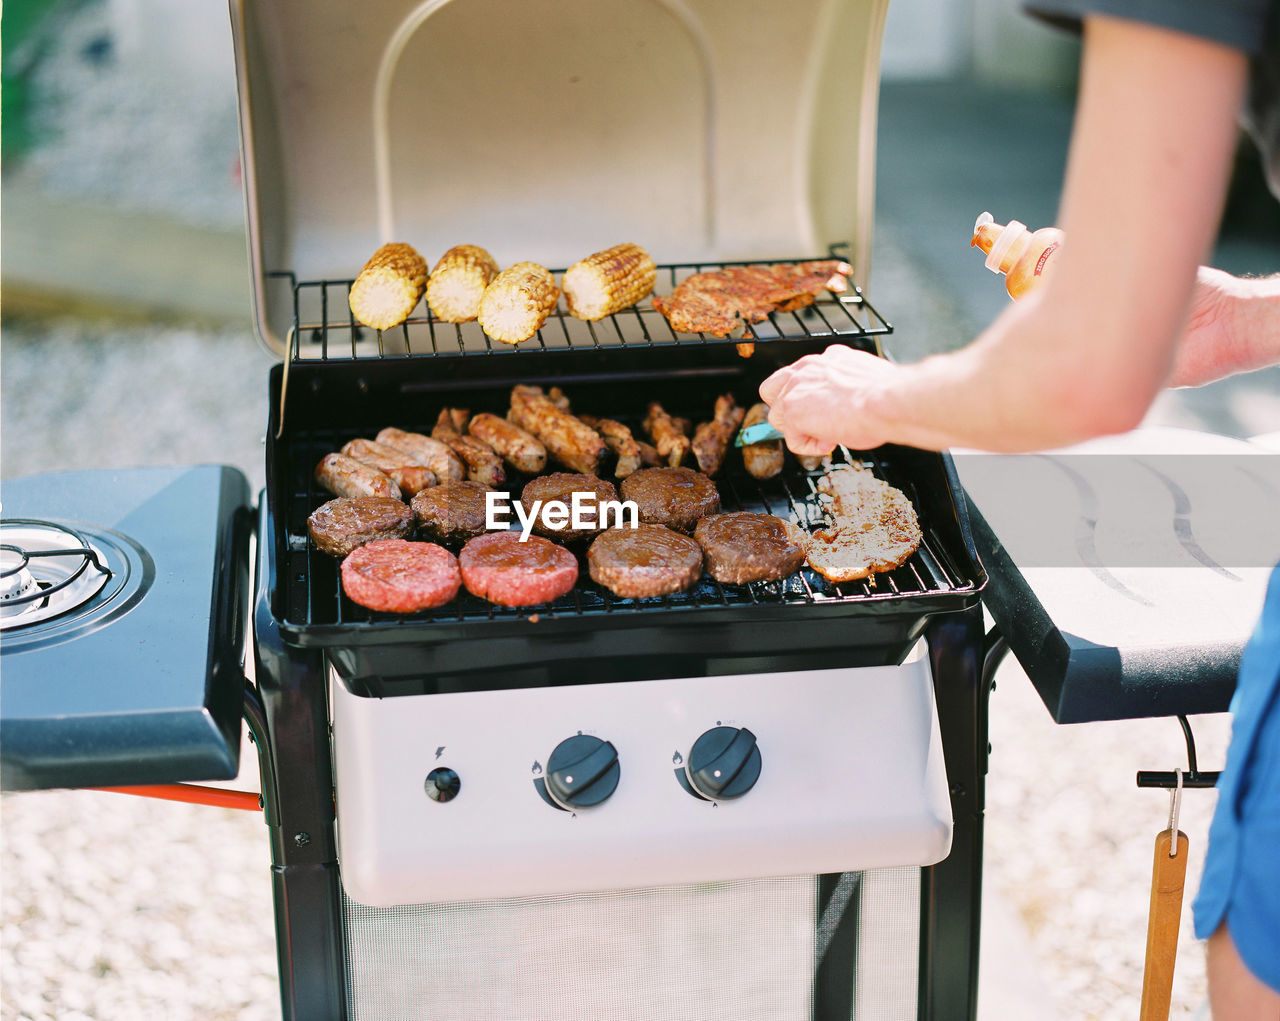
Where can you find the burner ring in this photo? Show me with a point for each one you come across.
(31, 594)
(9, 572)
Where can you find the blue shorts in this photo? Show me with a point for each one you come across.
(1241, 883)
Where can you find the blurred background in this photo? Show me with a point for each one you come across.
(127, 340)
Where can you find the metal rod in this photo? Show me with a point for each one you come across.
(1168, 779)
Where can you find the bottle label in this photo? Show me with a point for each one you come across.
(1044, 257)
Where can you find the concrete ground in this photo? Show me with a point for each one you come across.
(116, 907)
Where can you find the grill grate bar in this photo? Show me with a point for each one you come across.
(315, 595)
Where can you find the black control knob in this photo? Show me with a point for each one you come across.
(724, 763)
(442, 784)
(582, 771)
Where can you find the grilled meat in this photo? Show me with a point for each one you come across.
(650, 560)
(560, 487)
(499, 567)
(742, 547)
(345, 476)
(711, 439)
(725, 302)
(874, 527)
(452, 510)
(437, 456)
(518, 448)
(762, 460)
(676, 497)
(483, 464)
(668, 435)
(396, 576)
(401, 468)
(618, 438)
(569, 440)
(341, 525)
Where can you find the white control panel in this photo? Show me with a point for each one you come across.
(609, 786)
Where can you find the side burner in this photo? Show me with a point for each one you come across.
(122, 599)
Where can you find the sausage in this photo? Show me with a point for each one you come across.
(345, 476)
(411, 477)
(520, 449)
(483, 464)
(446, 465)
(762, 460)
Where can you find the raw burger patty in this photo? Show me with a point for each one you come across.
(341, 525)
(676, 497)
(502, 569)
(453, 510)
(649, 560)
(742, 547)
(561, 486)
(400, 577)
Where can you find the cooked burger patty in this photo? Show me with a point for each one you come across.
(396, 576)
(339, 526)
(741, 547)
(649, 560)
(454, 510)
(502, 569)
(560, 487)
(676, 497)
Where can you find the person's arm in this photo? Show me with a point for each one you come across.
(1084, 355)
(1234, 326)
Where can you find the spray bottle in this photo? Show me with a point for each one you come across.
(1026, 259)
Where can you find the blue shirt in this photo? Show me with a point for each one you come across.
(1241, 882)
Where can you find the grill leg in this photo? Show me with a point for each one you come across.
(298, 793)
(839, 899)
(951, 891)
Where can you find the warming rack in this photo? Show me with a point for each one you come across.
(325, 330)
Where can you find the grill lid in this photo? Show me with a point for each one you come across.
(549, 130)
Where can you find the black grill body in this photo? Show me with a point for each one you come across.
(306, 628)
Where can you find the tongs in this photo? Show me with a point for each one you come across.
(761, 432)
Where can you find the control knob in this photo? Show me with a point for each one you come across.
(582, 771)
(724, 763)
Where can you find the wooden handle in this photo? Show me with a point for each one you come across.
(1168, 876)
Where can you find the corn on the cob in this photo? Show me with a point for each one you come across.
(389, 286)
(518, 302)
(608, 281)
(458, 282)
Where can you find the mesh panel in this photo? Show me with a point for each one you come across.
(886, 984)
(745, 950)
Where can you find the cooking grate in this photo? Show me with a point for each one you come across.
(314, 596)
(325, 330)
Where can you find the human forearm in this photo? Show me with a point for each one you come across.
(1086, 353)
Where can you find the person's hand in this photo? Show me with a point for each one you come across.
(1233, 326)
(821, 400)
(1207, 350)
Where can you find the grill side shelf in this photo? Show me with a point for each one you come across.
(325, 330)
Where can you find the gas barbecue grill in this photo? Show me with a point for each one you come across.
(420, 867)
